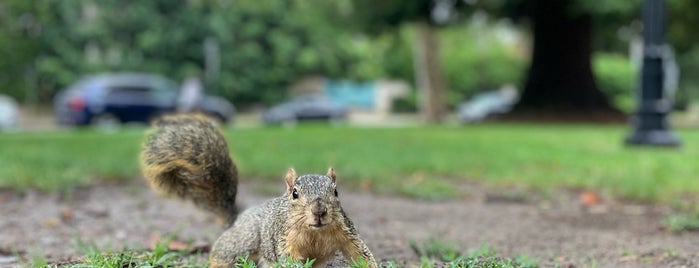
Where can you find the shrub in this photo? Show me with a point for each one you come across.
(616, 77)
(479, 58)
(474, 58)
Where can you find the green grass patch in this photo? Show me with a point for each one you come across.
(418, 161)
(159, 256)
(682, 222)
(437, 253)
(424, 161)
(433, 256)
(62, 160)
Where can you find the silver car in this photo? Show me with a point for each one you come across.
(487, 104)
(305, 107)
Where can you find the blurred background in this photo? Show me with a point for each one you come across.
(526, 103)
(441, 59)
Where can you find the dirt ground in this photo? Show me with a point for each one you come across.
(555, 230)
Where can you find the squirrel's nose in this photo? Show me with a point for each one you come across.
(318, 209)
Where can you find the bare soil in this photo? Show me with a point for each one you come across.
(555, 229)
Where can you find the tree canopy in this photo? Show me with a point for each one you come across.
(251, 50)
(262, 44)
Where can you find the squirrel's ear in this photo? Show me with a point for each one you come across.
(290, 177)
(331, 173)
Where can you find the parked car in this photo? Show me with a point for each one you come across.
(487, 104)
(9, 113)
(305, 107)
(116, 98)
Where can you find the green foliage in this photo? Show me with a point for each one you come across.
(291, 263)
(398, 55)
(488, 262)
(616, 77)
(244, 262)
(16, 51)
(434, 248)
(264, 44)
(433, 251)
(607, 7)
(38, 261)
(407, 104)
(682, 222)
(375, 17)
(135, 259)
(681, 22)
(477, 57)
(160, 256)
(688, 84)
(359, 263)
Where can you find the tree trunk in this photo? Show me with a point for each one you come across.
(428, 73)
(560, 80)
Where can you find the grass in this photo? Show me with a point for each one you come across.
(436, 253)
(417, 161)
(63, 160)
(159, 256)
(433, 253)
(682, 222)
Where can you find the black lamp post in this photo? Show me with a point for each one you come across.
(650, 121)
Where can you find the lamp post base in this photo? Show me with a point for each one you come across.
(660, 138)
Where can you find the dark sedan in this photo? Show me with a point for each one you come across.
(116, 98)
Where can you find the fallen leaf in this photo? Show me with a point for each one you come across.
(173, 245)
(177, 245)
(53, 222)
(366, 185)
(590, 198)
(153, 240)
(67, 215)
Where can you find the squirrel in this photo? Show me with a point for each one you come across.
(186, 156)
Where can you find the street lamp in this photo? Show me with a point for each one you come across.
(654, 103)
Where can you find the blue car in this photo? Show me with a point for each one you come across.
(116, 98)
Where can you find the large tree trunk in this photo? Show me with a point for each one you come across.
(560, 80)
(428, 73)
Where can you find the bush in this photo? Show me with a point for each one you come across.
(689, 83)
(476, 58)
(264, 45)
(616, 77)
(407, 104)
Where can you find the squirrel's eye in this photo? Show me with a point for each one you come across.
(295, 194)
(335, 192)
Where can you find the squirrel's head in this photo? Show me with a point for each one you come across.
(313, 199)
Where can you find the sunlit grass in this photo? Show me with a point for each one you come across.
(418, 161)
(437, 253)
(538, 156)
(59, 160)
(432, 252)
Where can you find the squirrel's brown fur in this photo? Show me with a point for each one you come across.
(186, 156)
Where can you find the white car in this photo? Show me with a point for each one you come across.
(9, 113)
(486, 104)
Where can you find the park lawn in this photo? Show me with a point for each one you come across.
(424, 161)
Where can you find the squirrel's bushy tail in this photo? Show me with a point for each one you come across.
(187, 156)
